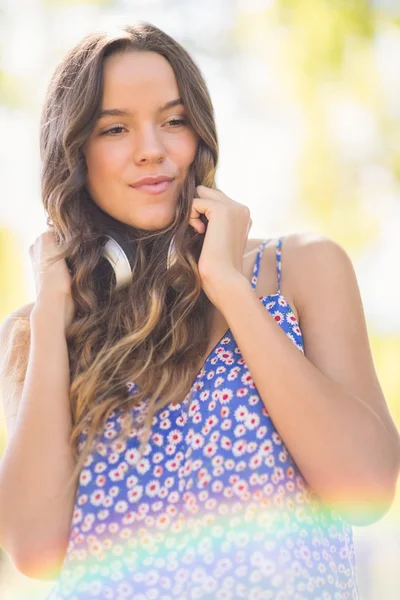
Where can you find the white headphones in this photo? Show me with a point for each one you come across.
(119, 261)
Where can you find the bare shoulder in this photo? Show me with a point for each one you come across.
(268, 276)
(332, 318)
(304, 259)
(14, 349)
(252, 245)
(312, 263)
(8, 326)
(23, 312)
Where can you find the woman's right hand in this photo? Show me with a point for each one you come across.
(51, 280)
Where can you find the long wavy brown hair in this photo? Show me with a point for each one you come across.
(150, 331)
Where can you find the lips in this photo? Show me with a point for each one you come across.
(151, 179)
(154, 188)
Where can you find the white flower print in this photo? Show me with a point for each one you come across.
(170, 449)
(213, 465)
(252, 421)
(103, 514)
(152, 488)
(118, 447)
(217, 460)
(266, 447)
(121, 506)
(241, 413)
(255, 462)
(116, 474)
(253, 400)
(204, 395)
(233, 374)
(247, 379)
(172, 465)
(239, 430)
(282, 301)
(270, 460)
(100, 480)
(214, 437)
(128, 518)
(197, 418)
(156, 506)
(77, 516)
(97, 497)
(85, 477)
(239, 447)
(108, 501)
(143, 466)
(158, 438)
(291, 318)
(198, 440)
(211, 405)
(225, 396)
(251, 447)
(88, 460)
(241, 392)
(174, 436)
(209, 449)
(131, 456)
(164, 414)
(135, 493)
(278, 316)
(158, 470)
(211, 421)
(169, 482)
(283, 456)
(226, 424)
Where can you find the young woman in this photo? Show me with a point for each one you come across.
(211, 425)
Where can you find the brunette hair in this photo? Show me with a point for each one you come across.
(146, 334)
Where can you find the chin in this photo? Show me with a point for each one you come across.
(153, 224)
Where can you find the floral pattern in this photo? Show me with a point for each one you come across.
(216, 508)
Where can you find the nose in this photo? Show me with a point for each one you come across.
(148, 145)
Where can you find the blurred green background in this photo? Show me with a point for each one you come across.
(307, 101)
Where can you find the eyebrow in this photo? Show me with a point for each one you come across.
(120, 112)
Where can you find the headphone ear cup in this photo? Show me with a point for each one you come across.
(118, 260)
(116, 265)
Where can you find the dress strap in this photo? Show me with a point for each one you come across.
(278, 255)
(257, 263)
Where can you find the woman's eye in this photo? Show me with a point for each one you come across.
(177, 122)
(117, 128)
(112, 129)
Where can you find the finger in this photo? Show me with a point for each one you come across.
(197, 224)
(206, 192)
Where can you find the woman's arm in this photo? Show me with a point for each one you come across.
(327, 405)
(35, 516)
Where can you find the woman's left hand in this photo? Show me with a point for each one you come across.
(229, 223)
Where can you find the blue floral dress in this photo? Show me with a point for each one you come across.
(215, 509)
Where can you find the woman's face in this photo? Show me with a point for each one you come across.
(142, 138)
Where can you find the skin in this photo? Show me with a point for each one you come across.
(150, 142)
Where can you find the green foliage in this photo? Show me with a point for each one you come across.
(12, 92)
(320, 30)
(12, 279)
